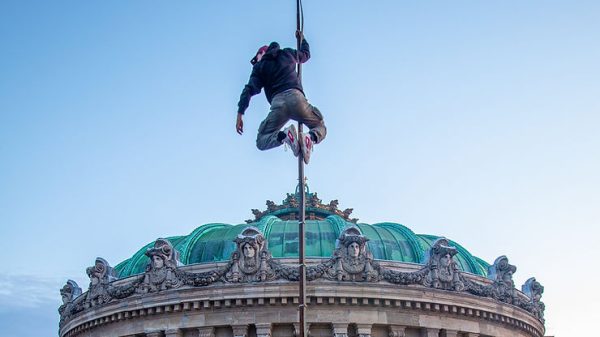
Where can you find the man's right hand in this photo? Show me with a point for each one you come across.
(239, 124)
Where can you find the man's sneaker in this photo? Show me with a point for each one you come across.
(306, 144)
(291, 139)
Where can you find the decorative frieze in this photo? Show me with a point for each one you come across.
(252, 263)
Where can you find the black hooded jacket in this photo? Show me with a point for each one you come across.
(276, 72)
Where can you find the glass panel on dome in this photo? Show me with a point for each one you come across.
(276, 237)
(375, 243)
(290, 239)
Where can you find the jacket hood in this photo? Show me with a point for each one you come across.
(272, 51)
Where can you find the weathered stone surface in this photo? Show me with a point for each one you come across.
(100, 274)
(443, 271)
(352, 260)
(250, 260)
(211, 295)
(161, 270)
(534, 290)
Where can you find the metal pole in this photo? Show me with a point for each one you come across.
(302, 208)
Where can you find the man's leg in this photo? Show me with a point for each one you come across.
(269, 129)
(314, 121)
(311, 117)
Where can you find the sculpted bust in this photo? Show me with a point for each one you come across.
(160, 271)
(443, 270)
(501, 272)
(353, 260)
(534, 290)
(100, 274)
(249, 261)
(70, 291)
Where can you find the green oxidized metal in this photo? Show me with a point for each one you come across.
(387, 241)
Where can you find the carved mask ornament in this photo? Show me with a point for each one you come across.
(100, 274)
(502, 271)
(443, 270)
(70, 291)
(354, 261)
(164, 259)
(250, 244)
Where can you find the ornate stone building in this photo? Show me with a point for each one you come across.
(378, 280)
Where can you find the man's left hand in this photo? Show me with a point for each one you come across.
(239, 124)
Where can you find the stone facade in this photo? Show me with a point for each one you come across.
(349, 295)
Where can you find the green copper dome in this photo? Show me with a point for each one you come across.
(387, 241)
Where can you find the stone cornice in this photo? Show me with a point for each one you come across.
(409, 299)
(350, 275)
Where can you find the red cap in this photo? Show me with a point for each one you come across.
(262, 49)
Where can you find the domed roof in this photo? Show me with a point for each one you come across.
(387, 241)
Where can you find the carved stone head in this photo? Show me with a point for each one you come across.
(162, 255)
(355, 262)
(441, 253)
(443, 270)
(70, 291)
(100, 272)
(502, 271)
(351, 243)
(250, 244)
(533, 289)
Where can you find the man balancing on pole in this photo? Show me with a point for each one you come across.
(274, 69)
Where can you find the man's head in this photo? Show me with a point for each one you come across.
(259, 54)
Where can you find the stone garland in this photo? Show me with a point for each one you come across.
(252, 262)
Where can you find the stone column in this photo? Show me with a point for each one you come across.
(240, 330)
(340, 329)
(363, 330)
(451, 333)
(430, 332)
(263, 329)
(397, 331)
(206, 331)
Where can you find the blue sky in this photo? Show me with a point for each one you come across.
(469, 119)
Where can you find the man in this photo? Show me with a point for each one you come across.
(274, 69)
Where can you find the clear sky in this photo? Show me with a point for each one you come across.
(475, 120)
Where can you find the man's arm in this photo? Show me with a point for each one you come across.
(303, 54)
(252, 88)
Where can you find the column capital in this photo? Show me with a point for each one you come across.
(206, 331)
(340, 329)
(263, 329)
(158, 333)
(364, 330)
(430, 332)
(397, 331)
(174, 333)
(240, 330)
(451, 333)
